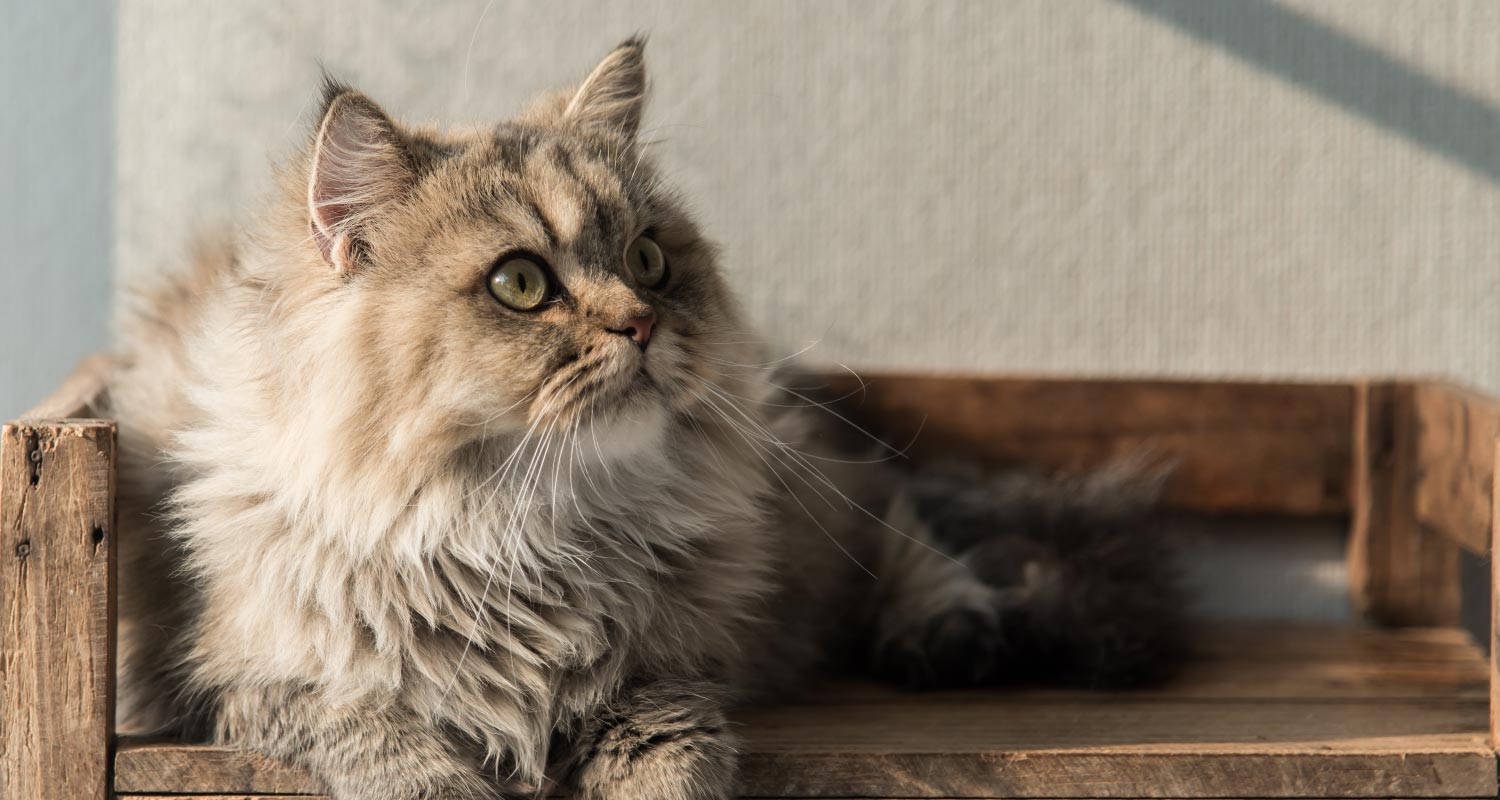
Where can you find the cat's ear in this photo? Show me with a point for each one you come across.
(614, 94)
(359, 164)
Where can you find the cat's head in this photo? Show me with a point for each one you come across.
(532, 275)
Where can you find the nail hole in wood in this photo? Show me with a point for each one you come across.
(23, 549)
(33, 458)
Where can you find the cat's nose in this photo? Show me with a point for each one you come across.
(638, 329)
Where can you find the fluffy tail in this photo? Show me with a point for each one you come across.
(1079, 586)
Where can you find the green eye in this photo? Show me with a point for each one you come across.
(647, 262)
(520, 283)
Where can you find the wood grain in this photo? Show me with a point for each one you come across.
(1456, 432)
(1494, 643)
(147, 766)
(990, 747)
(1262, 711)
(1241, 447)
(57, 524)
(1399, 572)
(1184, 772)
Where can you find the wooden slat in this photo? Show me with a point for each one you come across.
(1456, 432)
(989, 748)
(1399, 572)
(1262, 711)
(1244, 447)
(147, 767)
(57, 525)
(78, 396)
(1494, 643)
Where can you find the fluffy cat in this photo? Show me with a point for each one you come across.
(473, 480)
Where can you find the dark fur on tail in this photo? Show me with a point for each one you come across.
(1086, 589)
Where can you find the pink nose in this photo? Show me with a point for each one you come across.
(638, 329)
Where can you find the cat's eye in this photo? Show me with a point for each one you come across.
(520, 283)
(647, 262)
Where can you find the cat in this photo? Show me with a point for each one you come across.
(475, 482)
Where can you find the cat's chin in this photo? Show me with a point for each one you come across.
(636, 429)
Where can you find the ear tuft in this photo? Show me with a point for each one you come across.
(359, 165)
(614, 94)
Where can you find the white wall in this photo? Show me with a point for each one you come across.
(56, 175)
(1089, 186)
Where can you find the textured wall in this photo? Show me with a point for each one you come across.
(1096, 186)
(56, 174)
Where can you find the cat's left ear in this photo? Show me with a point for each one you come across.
(614, 94)
(359, 165)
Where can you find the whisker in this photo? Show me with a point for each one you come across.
(815, 472)
(793, 494)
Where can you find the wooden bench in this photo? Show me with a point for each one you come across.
(1398, 706)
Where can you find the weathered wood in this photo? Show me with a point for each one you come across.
(1495, 605)
(1265, 711)
(146, 767)
(57, 525)
(1174, 772)
(991, 747)
(1456, 431)
(1242, 447)
(79, 395)
(1399, 572)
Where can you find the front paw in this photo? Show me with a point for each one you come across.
(666, 742)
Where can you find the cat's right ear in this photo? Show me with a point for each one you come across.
(359, 165)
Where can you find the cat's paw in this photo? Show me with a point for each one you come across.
(663, 743)
(954, 648)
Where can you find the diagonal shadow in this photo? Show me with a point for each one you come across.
(1448, 121)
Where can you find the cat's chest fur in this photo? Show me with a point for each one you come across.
(478, 596)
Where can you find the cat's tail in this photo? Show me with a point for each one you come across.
(1032, 579)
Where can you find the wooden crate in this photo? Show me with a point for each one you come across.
(1397, 707)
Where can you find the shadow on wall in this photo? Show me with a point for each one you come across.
(1360, 79)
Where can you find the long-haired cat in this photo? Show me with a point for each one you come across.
(471, 479)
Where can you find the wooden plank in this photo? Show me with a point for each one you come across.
(1456, 432)
(144, 766)
(1495, 606)
(79, 395)
(1399, 572)
(1283, 702)
(990, 748)
(1243, 447)
(1350, 643)
(57, 524)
